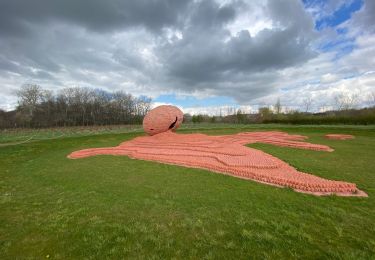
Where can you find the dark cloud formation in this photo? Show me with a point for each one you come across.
(96, 15)
(209, 53)
(163, 45)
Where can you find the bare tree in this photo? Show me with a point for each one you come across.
(240, 116)
(345, 101)
(323, 107)
(307, 102)
(371, 99)
(143, 105)
(28, 97)
(77, 106)
(66, 100)
(82, 98)
(277, 106)
(46, 108)
(124, 105)
(264, 112)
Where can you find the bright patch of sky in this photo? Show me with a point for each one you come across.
(331, 14)
(192, 101)
(342, 14)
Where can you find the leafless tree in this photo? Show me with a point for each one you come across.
(143, 105)
(277, 106)
(29, 96)
(307, 102)
(78, 106)
(345, 101)
(371, 99)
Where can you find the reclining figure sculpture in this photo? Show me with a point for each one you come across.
(225, 154)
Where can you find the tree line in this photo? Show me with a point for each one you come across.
(265, 115)
(344, 111)
(74, 106)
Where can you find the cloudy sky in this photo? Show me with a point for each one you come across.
(200, 55)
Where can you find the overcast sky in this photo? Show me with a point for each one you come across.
(199, 55)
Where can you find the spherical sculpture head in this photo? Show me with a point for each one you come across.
(162, 119)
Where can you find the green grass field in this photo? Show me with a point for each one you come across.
(115, 207)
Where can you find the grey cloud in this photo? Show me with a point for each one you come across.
(96, 15)
(129, 59)
(365, 18)
(250, 87)
(290, 14)
(44, 75)
(209, 14)
(203, 55)
(103, 44)
(7, 65)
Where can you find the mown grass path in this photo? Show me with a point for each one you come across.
(115, 207)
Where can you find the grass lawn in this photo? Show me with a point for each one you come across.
(115, 207)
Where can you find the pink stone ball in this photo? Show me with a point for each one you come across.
(161, 119)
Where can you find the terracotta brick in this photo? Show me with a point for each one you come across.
(339, 136)
(223, 154)
(161, 119)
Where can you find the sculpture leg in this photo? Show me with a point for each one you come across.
(97, 151)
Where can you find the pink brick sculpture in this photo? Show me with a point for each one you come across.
(162, 119)
(225, 154)
(339, 136)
